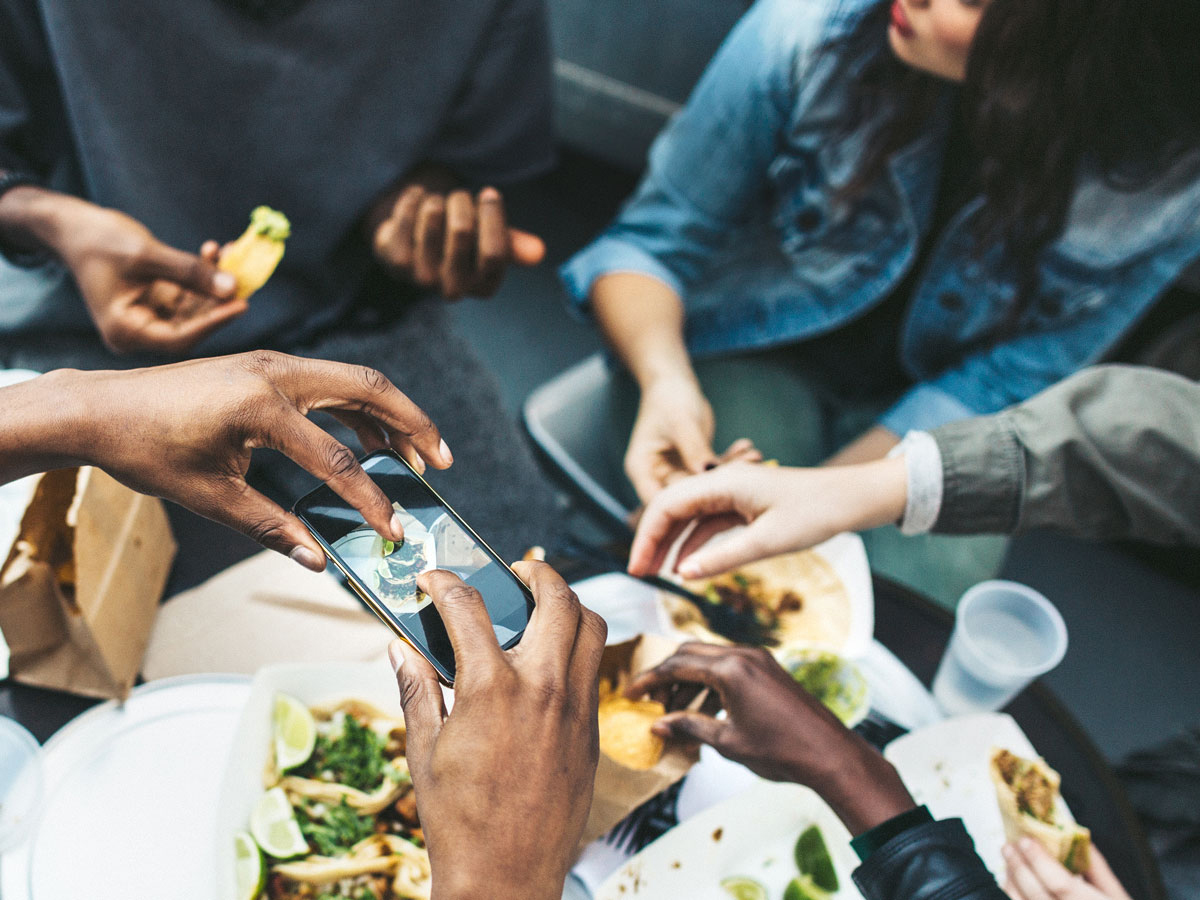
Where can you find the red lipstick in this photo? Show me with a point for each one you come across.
(900, 20)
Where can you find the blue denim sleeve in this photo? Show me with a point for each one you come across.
(710, 164)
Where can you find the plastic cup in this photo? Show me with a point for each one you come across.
(20, 783)
(1005, 636)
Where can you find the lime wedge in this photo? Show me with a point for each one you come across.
(813, 859)
(294, 730)
(741, 888)
(802, 888)
(249, 870)
(275, 828)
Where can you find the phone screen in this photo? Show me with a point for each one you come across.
(385, 572)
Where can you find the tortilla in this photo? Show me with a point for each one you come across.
(1031, 806)
(625, 735)
(779, 585)
(252, 258)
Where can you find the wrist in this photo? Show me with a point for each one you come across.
(864, 789)
(35, 218)
(461, 884)
(41, 425)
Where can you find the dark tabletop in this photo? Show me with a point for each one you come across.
(909, 625)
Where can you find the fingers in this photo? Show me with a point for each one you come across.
(1100, 875)
(395, 237)
(313, 384)
(331, 461)
(695, 451)
(246, 510)
(552, 629)
(689, 726)
(735, 550)
(466, 619)
(526, 249)
(458, 263)
(1036, 875)
(493, 251)
(421, 698)
(706, 529)
(189, 271)
(138, 327)
(670, 511)
(692, 663)
(429, 240)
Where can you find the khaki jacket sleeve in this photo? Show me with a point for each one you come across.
(1110, 453)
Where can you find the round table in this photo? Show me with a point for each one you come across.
(917, 631)
(908, 624)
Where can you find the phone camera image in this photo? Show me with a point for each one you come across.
(435, 537)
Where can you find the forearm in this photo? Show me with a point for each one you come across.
(37, 219)
(42, 425)
(642, 320)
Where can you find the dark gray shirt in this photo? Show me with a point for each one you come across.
(187, 115)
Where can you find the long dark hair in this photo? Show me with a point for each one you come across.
(1052, 87)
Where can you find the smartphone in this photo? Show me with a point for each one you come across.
(384, 573)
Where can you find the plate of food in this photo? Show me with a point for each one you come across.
(316, 800)
(983, 769)
(771, 842)
(820, 597)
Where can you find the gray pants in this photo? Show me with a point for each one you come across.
(495, 484)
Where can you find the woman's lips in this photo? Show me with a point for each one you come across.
(900, 20)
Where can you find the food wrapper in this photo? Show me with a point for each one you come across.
(620, 790)
(80, 587)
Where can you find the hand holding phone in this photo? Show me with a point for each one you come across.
(384, 572)
(503, 783)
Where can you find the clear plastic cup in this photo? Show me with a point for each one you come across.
(1005, 636)
(20, 783)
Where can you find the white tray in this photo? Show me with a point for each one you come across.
(131, 797)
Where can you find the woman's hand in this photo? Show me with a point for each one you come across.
(504, 782)
(784, 509)
(672, 436)
(775, 728)
(143, 295)
(1033, 874)
(450, 241)
(185, 432)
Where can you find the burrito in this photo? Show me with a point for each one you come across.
(1030, 805)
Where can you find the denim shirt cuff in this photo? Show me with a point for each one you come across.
(984, 476)
(605, 256)
(924, 408)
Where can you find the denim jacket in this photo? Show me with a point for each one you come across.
(736, 214)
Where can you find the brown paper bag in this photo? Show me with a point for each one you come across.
(81, 584)
(619, 791)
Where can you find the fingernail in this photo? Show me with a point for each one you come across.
(447, 456)
(710, 465)
(661, 729)
(1008, 851)
(419, 464)
(224, 282)
(397, 527)
(688, 569)
(489, 193)
(308, 559)
(395, 656)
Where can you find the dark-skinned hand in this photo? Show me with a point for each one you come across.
(504, 782)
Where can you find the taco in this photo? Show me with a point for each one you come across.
(252, 258)
(1030, 805)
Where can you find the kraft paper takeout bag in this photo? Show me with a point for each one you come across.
(81, 584)
(619, 790)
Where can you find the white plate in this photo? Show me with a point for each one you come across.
(752, 834)
(128, 806)
(250, 748)
(945, 766)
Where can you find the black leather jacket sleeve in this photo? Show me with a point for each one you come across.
(934, 861)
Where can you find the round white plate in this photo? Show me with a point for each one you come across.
(131, 797)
